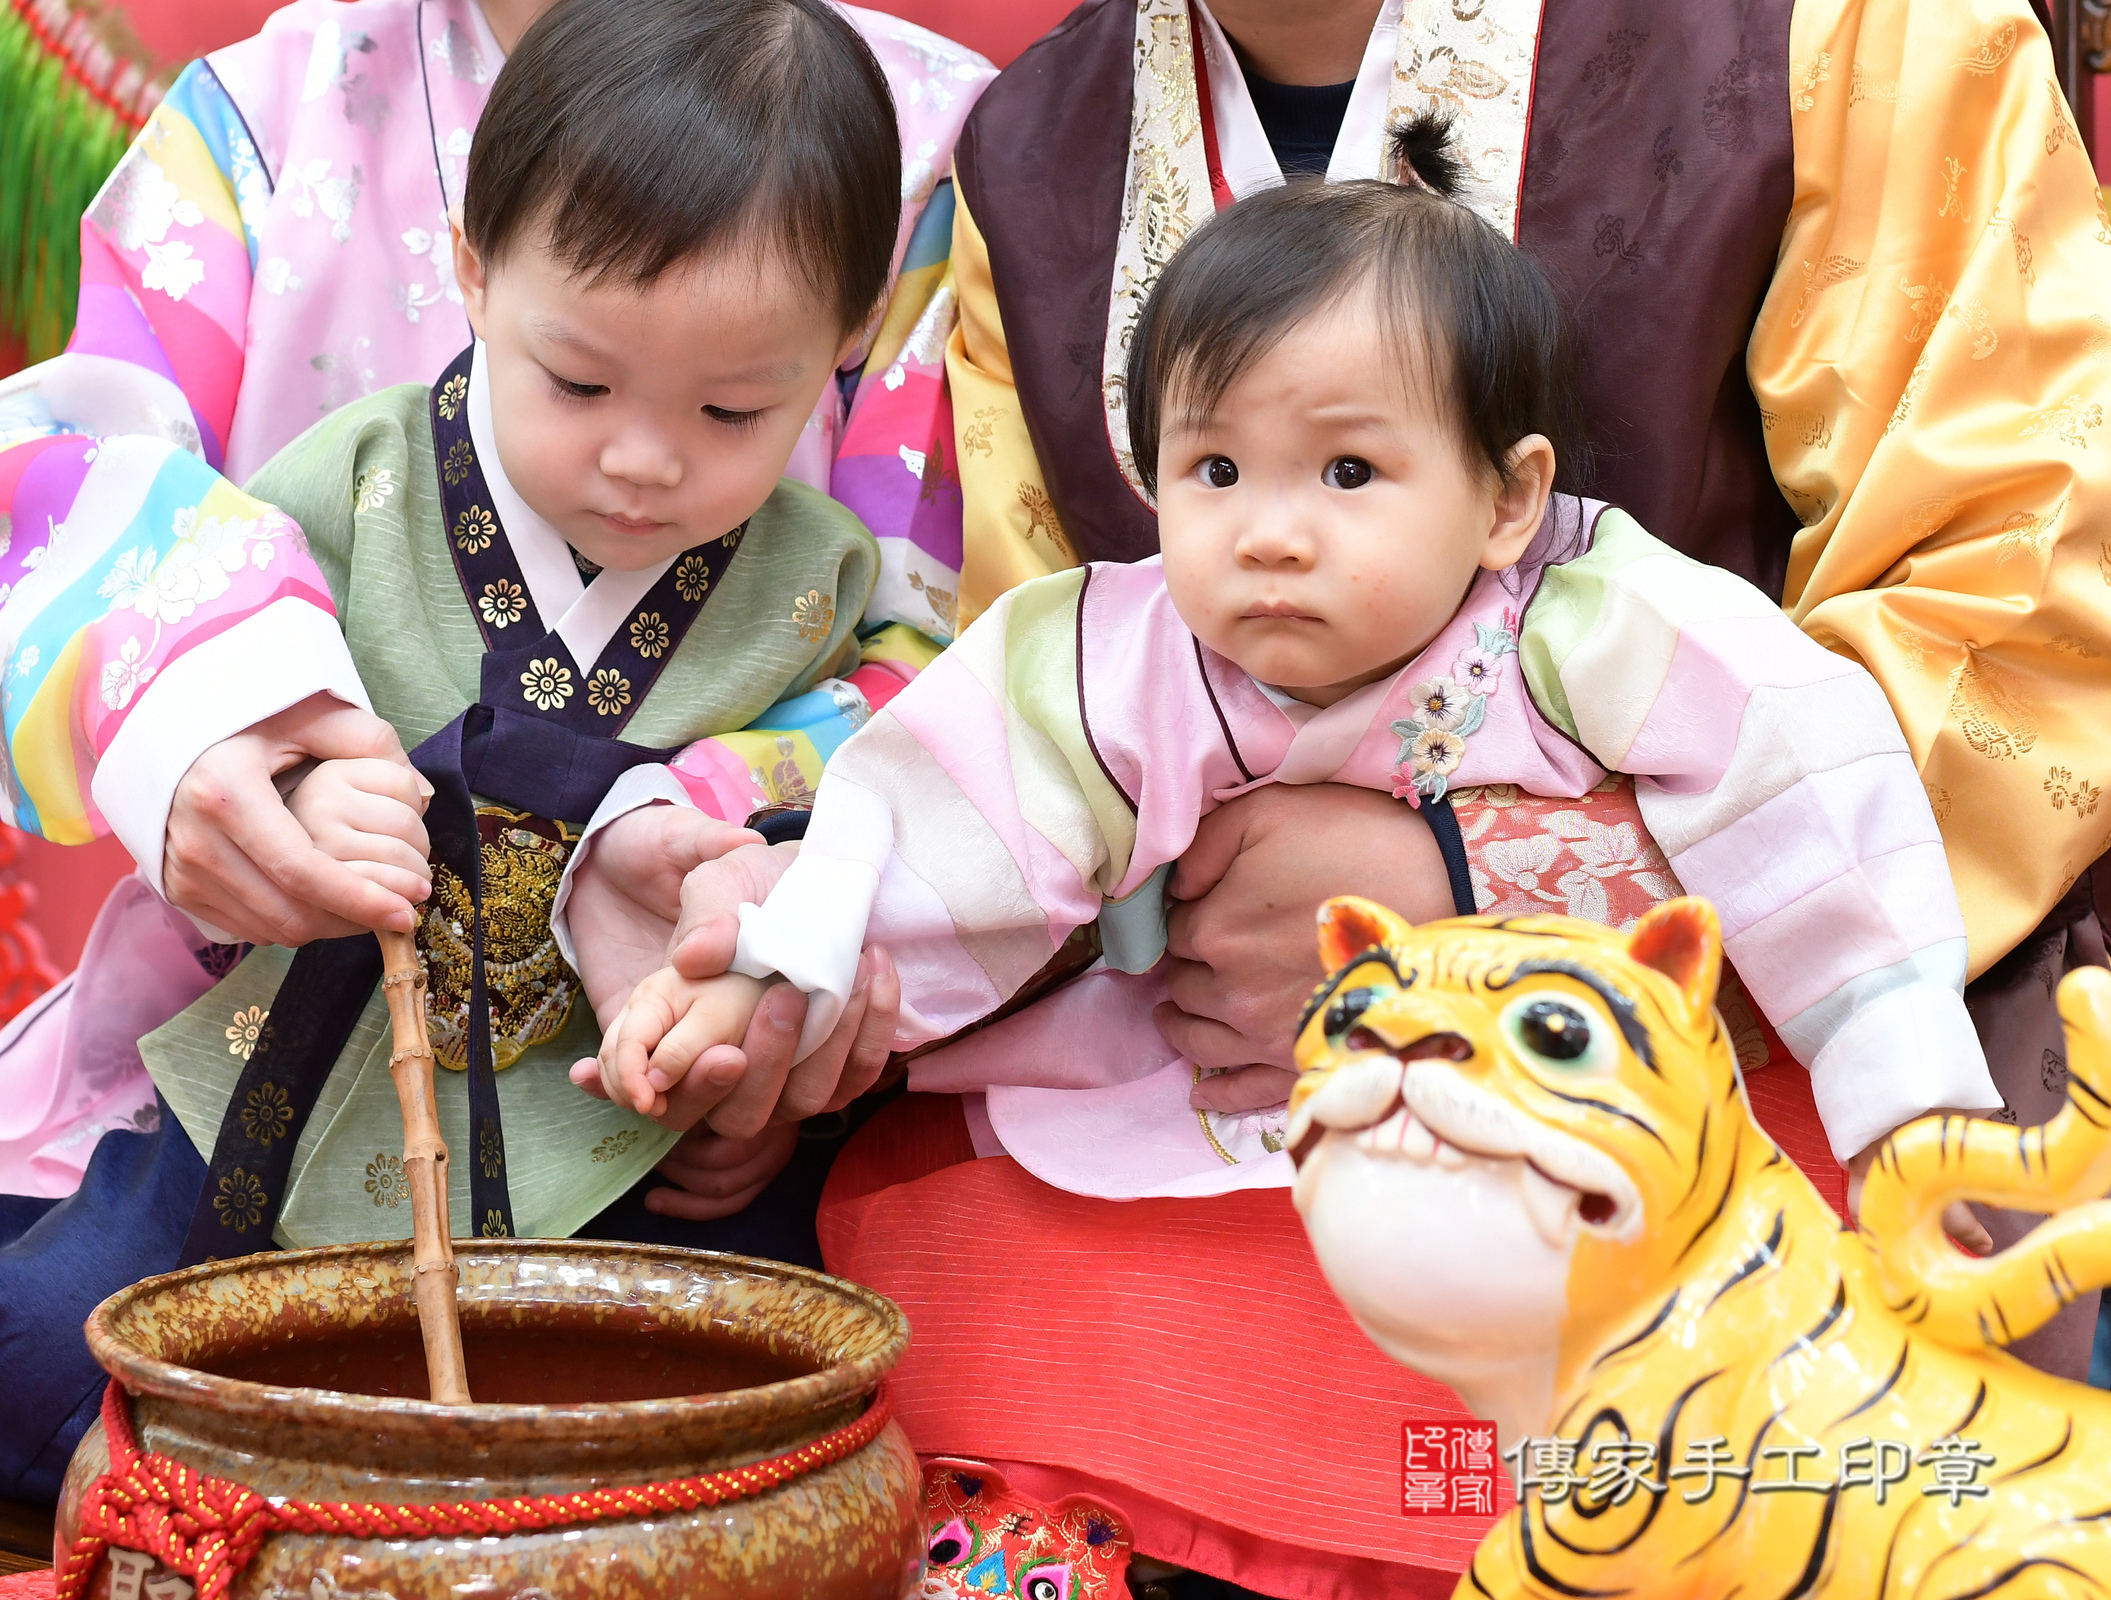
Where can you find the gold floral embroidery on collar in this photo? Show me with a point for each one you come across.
(474, 529)
(502, 604)
(608, 692)
(547, 683)
(648, 635)
(692, 579)
(452, 393)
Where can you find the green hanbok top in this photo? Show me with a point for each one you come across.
(365, 486)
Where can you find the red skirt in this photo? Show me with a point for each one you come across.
(1182, 1360)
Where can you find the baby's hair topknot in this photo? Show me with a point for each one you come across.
(1422, 147)
(1469, 318)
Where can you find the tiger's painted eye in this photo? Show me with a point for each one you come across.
(1050, 1583)
(1220, 472)
(1553, 1031)
(1349, 1005)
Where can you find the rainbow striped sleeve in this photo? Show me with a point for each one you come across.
(778, 758)
(1775, 778)
(134, 627)
(168, 251)
(129, 553)
(896, 465)
(970, 826)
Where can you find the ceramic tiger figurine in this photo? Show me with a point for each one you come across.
(1527, 1166)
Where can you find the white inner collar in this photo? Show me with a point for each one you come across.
(1243, 152)
(1298, 711)
(584, 615)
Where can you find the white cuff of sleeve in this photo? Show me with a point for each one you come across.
(213, 691)
(1899, 1057)
(811, 930)
(648, 785)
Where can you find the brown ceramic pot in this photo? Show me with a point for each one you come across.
(846, 1530)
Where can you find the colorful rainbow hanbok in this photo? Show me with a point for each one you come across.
(275, 245)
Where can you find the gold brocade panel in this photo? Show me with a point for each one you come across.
(1932, 366)
(531, 987)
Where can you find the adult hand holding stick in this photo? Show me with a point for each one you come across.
(435, 1275)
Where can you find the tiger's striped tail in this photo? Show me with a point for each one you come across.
(2062, 1168)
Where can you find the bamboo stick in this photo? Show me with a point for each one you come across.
(435, 1276)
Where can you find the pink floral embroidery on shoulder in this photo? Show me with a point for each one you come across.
(1449, 710)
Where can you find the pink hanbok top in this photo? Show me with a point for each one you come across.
(1050, 767)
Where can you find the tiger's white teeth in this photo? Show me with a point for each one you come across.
(1356, 1096)
(1426, 1111)
(1419, 1144)
(1384, 1138)
(1550, 1205)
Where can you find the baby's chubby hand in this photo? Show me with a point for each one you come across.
(369, 815)
(673, 1052)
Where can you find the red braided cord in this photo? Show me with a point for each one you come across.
(127, 111)
(211, 1528)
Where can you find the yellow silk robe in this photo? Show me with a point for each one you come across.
(1932, 363)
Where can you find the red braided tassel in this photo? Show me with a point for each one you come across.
(123, 86)
(209, 1528)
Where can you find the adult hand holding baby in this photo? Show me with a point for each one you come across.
(738, 1090)
(1239, 937)
(626, 899)
(236, 856)
(775, 1090)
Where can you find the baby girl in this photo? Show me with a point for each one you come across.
(1352, 402)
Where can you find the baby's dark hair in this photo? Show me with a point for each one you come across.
(1468, 312)
(640, 132)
